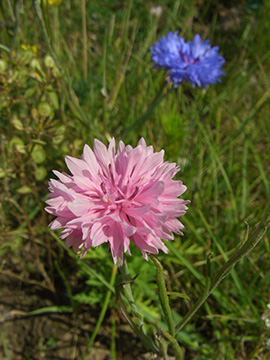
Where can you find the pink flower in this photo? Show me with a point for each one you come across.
(117, 197)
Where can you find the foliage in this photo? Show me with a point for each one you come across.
(49, 107)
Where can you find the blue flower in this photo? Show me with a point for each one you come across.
(194, 61)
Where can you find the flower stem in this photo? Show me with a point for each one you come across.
(141, 119)
(138, 326)
(84, 40)
(162, 294)
(248, 245)
(128, 292)
(179, 355)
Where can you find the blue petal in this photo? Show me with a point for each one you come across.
(195, 61)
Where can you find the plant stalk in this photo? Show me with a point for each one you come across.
(84, 41)
(162, 294)
(250, 243)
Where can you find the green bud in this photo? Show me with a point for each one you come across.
(17, 144)
(3, 66)
(29, 92)
(38, 154)
(17, 123)
(45, 109)
(58, 138)
(24, 190)
(2, 173)
(40, 173)
(48, 61)
(4, 101)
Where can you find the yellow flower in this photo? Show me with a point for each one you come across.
(28, 47)
(51, 2)
(34, 48)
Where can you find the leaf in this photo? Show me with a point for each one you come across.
(178, 294)
(24, 190)
(51, 309)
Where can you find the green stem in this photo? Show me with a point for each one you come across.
(128, 292)
(56, 30)
(162, 294)
(250, 243)
(138, 326)
(102, 313)
(5, 347)
(149, 343)
(84, 41)
(179, 355)
(141, 119)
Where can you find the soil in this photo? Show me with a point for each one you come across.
(60, 336)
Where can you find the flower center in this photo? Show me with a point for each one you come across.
(189, 60)
(115, 198)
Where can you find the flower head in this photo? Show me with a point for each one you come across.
(50, 2)
(194, 61)
(117, 197)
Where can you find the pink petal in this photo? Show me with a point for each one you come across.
(116, 197)
(76, 166)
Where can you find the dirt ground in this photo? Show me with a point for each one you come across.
(59, 336)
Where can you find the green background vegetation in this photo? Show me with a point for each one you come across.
(54, 98)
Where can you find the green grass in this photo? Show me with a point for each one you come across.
(219, 136)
